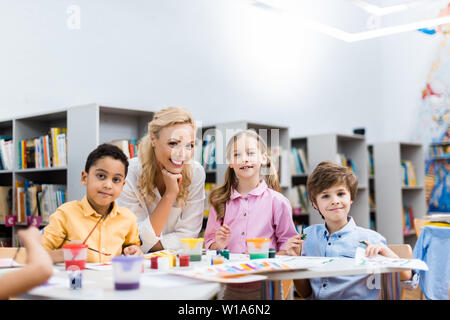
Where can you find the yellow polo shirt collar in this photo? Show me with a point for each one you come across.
(88, 210)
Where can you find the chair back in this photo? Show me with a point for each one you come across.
(390, 282)
(418, 225)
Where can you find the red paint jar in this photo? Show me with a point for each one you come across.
(154, 262)
(184, 260)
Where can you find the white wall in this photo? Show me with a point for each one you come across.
(224, 60)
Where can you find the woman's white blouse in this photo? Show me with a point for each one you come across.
(180, 224)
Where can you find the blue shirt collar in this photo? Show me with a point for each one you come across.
(349, 227)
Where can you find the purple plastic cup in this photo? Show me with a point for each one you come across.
(127, 271)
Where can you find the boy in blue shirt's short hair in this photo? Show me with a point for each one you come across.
(332, 189)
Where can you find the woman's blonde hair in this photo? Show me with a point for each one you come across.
(164, 118)
(220, 195)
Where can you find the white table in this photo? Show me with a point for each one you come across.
(99, 285)
(340, 266)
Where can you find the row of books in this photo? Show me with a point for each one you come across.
(43, 152)
(6, 153)
(34, 199)
(408, 173)
(299, 165)
(129, 147)
(345, 161)
(298, 199)
(372, 201)
(371, 165)
(408, 220)
(440, 150)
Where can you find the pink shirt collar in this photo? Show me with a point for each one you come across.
(262, 186)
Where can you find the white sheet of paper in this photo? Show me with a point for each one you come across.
(164, 280)
(382, 261)
(99, 266)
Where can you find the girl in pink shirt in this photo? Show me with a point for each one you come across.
(248, 204)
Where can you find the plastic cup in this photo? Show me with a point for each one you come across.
(75, 255)
(258, 248)
(192, 247)
(127, 272)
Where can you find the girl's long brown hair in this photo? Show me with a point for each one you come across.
(166, 117)
(220, 195)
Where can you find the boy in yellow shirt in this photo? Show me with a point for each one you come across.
(107, 229)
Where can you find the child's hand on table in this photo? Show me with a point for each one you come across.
(373, 250)
(133, 250)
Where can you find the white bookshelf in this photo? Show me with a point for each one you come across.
(326, 147)
(390, 193)
(87, 126)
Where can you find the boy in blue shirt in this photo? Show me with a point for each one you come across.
(332, 189)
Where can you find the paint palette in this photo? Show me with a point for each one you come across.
(223, 272)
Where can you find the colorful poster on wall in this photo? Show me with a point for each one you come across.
(434, 122)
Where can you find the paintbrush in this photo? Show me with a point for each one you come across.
(101, 218)
(106, 254)
(303, 237)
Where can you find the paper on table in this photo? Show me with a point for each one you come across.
(382, 261)
(164, 280)
(9, 262)
(104, 266)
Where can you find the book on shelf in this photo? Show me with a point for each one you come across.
(298, 161)
(129, 147)
(56, 146)
(439, 150)
(298, 199)
(371, 201)
(209, 153)
(208, 188)
(44, 151)
(372, 224)
(408, 220)
(371, 165)
(50, 198)
(5, 202)
(33, 199)
(408, 173)
(345, 161)
(6, 153)
(20, 202)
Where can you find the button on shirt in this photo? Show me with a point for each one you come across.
(342, 243)
(181, 223)
(263, 212)
(75, 219)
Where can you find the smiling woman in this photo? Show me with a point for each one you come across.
(165, 186)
